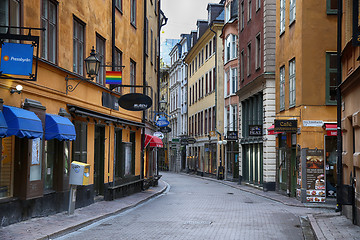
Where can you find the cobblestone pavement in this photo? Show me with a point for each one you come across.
(195, 208)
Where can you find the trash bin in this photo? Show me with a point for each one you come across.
(79, 173)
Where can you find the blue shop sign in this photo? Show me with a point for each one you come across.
(16, 59)
(162, 122)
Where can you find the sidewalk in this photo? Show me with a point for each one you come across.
(61, 223)
(327, 225)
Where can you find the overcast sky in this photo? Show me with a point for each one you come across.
(182, 15)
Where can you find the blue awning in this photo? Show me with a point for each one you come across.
(22, 123)
(3, 125)
(57, 127)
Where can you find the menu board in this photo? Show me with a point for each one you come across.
(315, 175)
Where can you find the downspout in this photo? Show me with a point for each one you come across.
(113, 69)
(338, 96)
(144, 92)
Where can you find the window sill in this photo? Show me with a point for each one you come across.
(132, 24)
(292, 23)
(282, 33)
(331, 12)
(119, 10)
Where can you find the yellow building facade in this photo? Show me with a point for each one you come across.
(206, 95)
(108, 137)
(305, 98)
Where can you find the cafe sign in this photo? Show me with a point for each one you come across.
(285, 125)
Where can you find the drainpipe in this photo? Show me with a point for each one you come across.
(144, 92)
(338, 97)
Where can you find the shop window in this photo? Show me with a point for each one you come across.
(6, 168)
(50, 155)
(119, 170)
(80, 144)
(49, 37)
(130, 163)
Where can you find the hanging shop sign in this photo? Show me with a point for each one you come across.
(184, 141)
(17, 59)
(159, 135)
(285, 125)
(255, 130)
(165, 129)
(315, 175)
(162, 122)
(135, 102)
(232, 135)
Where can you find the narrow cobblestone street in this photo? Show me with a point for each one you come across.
(195, 208)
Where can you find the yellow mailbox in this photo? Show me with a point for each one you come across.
(79, 173)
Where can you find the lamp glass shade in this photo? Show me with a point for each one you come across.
(162, 104)
(92, 64)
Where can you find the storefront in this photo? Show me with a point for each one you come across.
(152, 145)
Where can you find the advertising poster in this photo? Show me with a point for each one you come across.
(315, 176)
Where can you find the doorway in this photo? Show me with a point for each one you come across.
(99, 160)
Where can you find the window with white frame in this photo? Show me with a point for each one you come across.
(233, 75)
(227, 83)
(210, 48)
(234, 118)
(282, 88)
(282, 16)
(233, 46)
(227, 48)
(292, 83)
(292, 11)
(258, 52)
(248, 65)
(227, 12)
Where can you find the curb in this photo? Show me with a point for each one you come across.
(95, 219)
(315, 227)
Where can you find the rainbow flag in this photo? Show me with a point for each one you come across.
(113, 77)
